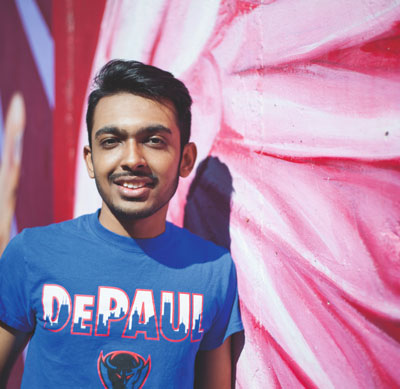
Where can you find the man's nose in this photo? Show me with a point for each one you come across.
(132, 155)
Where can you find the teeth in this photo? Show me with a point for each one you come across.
(131, 186)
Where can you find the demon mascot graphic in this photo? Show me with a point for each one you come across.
(123, 369)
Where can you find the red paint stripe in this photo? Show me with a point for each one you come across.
(266, 341)
(76, 26)
(157, 39)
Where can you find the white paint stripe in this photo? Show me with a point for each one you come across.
(139, 21)
(373, 17)
(195, 31)
(41, 44)
(289, 333)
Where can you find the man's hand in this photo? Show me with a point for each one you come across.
(10, 166)
(214, 368)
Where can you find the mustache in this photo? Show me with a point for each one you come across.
(134, 174)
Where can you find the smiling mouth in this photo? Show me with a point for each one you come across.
(134, 189)
(133, 185)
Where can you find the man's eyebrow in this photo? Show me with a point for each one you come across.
(151, 129)
(154, 129)
(109, 130)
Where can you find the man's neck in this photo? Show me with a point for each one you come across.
(143, 228)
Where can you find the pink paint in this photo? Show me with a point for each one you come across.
(379, 57)
(298, 104)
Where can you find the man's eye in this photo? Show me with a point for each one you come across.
(155, 141)
(109, 142)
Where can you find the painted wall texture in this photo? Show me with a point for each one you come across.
(297, 120)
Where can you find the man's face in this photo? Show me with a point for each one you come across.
(135, 156)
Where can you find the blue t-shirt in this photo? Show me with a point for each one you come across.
(106, 309)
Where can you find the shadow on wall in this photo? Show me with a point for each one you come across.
(208, 205)
(207, 214)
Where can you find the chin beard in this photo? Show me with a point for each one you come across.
(126, 215)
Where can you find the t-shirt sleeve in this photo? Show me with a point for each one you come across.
(14, 287)
(228, 320)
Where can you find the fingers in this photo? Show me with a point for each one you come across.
(14, 128)
(11, 164)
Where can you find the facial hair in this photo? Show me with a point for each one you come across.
(124, 214)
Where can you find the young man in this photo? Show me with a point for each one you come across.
(122, 298)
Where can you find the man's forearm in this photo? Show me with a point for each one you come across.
(12, 343)
(214, 367)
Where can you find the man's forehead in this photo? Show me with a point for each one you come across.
(129, 105)
(138, 99)
(129, 114)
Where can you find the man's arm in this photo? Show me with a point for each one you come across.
(12, 343)
(214, 368)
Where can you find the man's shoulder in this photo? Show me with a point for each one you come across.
(199, 248)
(195, 239)
(53, 231)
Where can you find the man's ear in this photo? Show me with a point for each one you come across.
(87, 155)
(188, 159)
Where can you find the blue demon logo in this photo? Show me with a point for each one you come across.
(123, 369)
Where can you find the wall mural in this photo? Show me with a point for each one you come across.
(296, 118)
(26, 102)
(26, 126)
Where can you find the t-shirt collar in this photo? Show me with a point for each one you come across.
(125, 242)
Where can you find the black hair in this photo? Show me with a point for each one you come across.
(142, 80)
